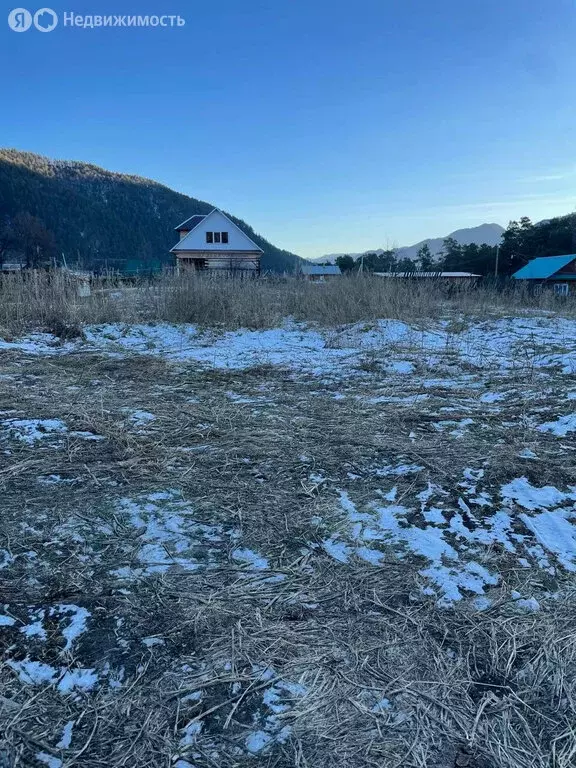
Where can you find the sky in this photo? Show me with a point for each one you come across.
(327, 126)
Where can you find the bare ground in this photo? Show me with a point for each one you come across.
(220, 629)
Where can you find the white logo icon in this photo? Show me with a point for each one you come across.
(20, 20)
(45, 20)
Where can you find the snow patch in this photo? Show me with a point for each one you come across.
(30, 431)
(561, 427)
(257, 562)
(77, 625)
(33, 672)
(66, 680)
(530, 497)
(492, 397)
(66, 739)
(72, 679)
(337, 549)
(139, 417)
(257, 741)
(556, 533)
(49, 760)
(167, 533)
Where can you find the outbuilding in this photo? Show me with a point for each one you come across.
(319, 273)
(557, 272)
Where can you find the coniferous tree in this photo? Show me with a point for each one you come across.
(451, 255)
(27, 235)
(406, 265)
(425, 259)
(346, 263)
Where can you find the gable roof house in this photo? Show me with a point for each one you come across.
(214, 244)
(559, 272)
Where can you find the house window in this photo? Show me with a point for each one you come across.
(561, 289)
(217, 237)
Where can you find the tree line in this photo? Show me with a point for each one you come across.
(56, 210)
(521, 242)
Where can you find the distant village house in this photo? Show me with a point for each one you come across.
(450, 276)
(12, 266)
(213, 244)
(556, 272)
(317, 273)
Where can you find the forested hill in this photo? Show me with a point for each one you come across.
(101, 219)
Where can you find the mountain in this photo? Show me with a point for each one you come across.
(490, 234)
(101, 219)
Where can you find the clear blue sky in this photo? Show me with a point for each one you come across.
(328, 126)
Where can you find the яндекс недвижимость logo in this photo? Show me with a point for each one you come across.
(45, 20)
(20, 20)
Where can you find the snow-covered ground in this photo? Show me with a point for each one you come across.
(447, 356)
(505, 343)
(456, 544)
(186, 508)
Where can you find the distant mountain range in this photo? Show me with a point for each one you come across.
(489, 234)
(101, 219)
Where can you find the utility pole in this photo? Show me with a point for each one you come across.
(497, 260)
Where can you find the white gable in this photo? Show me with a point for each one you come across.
(216, 222)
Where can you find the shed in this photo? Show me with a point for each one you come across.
(12, 266)
(318, 273)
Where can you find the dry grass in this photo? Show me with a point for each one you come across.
(49, 301)
(468, 689)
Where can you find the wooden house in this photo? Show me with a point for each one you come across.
(213, 244)
(556, 272)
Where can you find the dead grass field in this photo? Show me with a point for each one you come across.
(192, 571)
(50, 301)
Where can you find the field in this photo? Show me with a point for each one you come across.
(344, 539)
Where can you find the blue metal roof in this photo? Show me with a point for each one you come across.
(318, 269)
(543, 267)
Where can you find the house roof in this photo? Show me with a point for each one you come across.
(189, 224)
(191, 243)
(318, 269)
(426, 274)
(543, 267)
